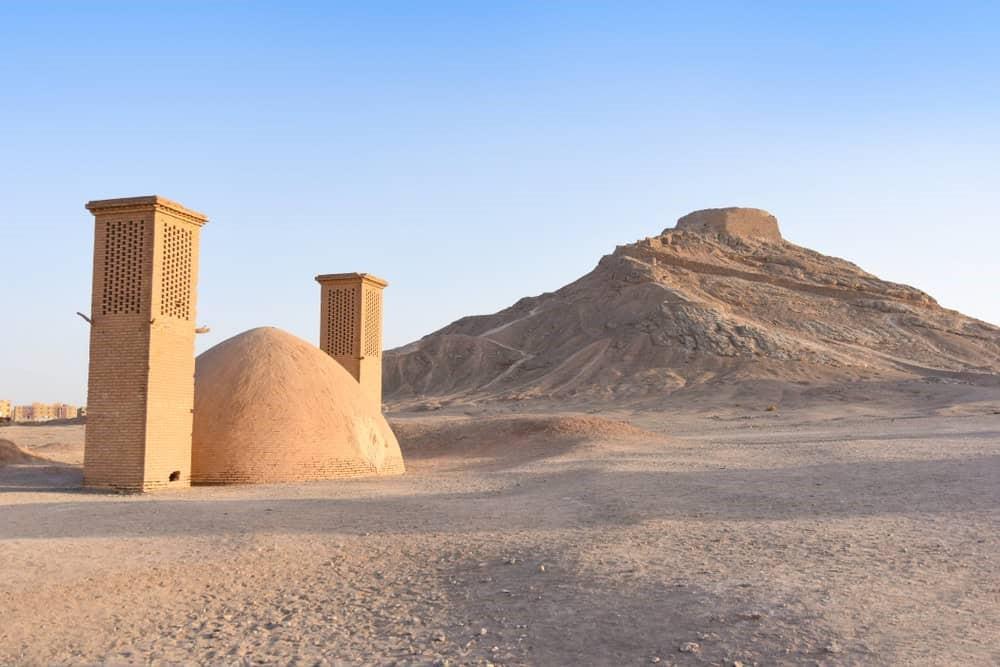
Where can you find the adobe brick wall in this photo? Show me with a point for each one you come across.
(262, 473)
(351, 326)
(141, 380)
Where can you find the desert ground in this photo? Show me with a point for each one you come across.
(828, 533)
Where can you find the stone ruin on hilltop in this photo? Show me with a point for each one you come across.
(734, 221)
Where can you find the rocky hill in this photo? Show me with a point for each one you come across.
(719, 298)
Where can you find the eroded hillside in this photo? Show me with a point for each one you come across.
(720, 297)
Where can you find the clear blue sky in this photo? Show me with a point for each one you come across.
(473, 153)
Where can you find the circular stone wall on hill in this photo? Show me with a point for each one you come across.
(270, 407)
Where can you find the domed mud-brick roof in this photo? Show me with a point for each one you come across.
(270, 407)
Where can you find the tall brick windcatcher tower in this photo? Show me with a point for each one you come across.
(350, 328)
(141, 384)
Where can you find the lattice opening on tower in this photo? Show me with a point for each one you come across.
(342, 320)
(373, 321)
(175, 295)
(124, 245)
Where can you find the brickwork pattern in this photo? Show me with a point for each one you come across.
(115, 447)
(141, 380)
(271, 407)
(170, 404)
(370, 364)
(351, 326)
(305, 471)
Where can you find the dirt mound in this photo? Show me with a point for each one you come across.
(12, 454)
(61, 443)
(270, 407)
(505, 440)
(719, 299)
(582, 427)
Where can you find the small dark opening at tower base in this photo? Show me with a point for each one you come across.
(175, 475)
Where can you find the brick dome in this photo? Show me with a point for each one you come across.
(270, 407)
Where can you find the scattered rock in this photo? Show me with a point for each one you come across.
(689, 647)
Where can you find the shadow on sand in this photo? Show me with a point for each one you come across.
(41, 478)
(569, 498)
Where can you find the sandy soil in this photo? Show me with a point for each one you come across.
(791, 537)
(59, 443)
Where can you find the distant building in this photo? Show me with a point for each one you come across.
(6, 411)
(66, 411)
(43, 412)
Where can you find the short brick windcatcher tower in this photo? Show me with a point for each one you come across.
(350, 326)
(141, 384)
